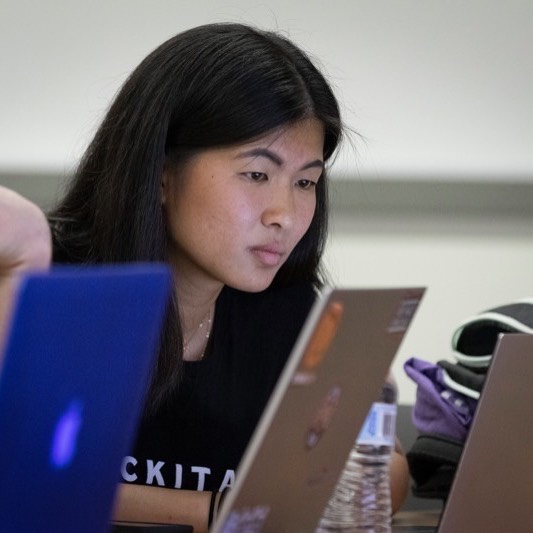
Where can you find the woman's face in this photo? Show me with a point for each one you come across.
(236, 213)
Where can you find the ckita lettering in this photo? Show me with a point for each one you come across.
(157, 474)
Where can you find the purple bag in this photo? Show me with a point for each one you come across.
(438, 409)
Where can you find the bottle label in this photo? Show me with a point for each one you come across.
(380, 425)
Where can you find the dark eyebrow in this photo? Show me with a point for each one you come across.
(264, 152)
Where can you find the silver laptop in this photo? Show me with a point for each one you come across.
(302, 441)
(493, 487)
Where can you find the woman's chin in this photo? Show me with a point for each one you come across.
(252, 285)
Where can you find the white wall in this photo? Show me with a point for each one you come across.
(438, 88)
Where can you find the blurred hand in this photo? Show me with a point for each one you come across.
(25, 244)
(25, 241)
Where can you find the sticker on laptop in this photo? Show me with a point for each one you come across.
(249, 519)
(404, 314)
(320, 422)
(319, 344)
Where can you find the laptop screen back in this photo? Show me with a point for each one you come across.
(76, 369)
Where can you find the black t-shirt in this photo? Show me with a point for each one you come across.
(196, 439)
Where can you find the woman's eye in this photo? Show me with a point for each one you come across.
(306, 184)
(256, 176)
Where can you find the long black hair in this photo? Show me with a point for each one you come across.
(211, 86)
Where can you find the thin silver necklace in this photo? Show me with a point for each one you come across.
(207, 322)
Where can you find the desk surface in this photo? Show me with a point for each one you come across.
(416, 521)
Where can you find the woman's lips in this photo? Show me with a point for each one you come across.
(267, 255)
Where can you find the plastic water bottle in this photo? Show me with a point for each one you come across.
(361, 500)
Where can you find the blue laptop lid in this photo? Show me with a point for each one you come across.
(75, 373)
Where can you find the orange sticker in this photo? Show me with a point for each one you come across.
(319, 343)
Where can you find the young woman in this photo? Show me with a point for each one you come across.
(212, 158)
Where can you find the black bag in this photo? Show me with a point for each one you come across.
(474, 339)
(432, 461)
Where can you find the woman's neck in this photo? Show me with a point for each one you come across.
(196, 342)
(197, 313)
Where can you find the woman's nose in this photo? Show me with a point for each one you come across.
(279, 209)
